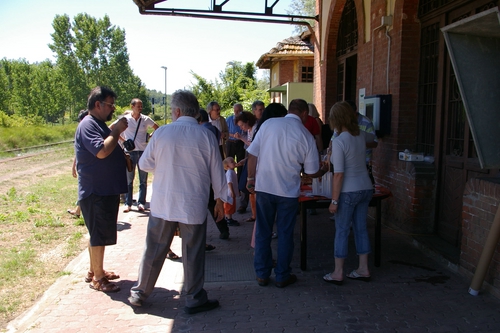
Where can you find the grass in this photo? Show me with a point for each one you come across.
(17, 137)
(37, 237)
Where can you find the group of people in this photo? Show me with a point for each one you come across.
(194, 169)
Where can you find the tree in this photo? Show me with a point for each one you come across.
(237, 84)
(19, 88)
(4, 88)
(303, 8)
(89, 52)
(48, 92)
(34, 91)
(93, 52)
(72, 74)
(204, 90)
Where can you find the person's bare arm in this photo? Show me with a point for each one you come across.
(322, 170)
(218, 210)
(73, 168)
(338, 179)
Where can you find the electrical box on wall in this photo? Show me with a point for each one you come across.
(378, 108)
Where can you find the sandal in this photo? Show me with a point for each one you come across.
(355, 276)
(104, 285)
(72, 212)
(328, 278)
(108, 275)
(172, 256)
(250, 219)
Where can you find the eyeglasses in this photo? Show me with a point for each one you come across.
(110, 104)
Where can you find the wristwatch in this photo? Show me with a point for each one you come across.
(335, 202)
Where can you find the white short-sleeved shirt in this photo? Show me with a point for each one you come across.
(140, 140)
(232, 179)
(283, 146)
(185, 159)
(348, 156)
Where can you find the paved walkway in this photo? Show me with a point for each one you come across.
(408, 293)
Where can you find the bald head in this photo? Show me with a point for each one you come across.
(300, 108)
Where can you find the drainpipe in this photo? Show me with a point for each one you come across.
(388, 59)
(486, 256)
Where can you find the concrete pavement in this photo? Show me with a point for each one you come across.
(410, 292)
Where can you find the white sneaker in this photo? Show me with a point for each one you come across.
(140, 207)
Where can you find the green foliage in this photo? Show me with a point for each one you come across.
(95, 52)
(19, 132)
(89, 52)
(303, 8)
(237, 84)
(92, 51)
(34, 135)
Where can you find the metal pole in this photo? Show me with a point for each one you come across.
(165, 114)
(230, 63)
(488, 251)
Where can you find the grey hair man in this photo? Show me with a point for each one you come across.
(184, 158)
(257, 109)
(213, 110)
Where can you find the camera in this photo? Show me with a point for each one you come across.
(129, 144)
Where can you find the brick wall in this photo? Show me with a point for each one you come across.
(413, 186)
(411, 207)
(286, 72)
(481, 202)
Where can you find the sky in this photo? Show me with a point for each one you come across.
(182, 44)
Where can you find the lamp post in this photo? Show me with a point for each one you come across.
(165, 115)
(230, 63)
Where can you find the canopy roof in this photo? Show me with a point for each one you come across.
(291, 47)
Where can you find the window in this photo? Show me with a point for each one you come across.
(307, 74)
(427, 94)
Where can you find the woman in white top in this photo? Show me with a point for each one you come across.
(351, 193)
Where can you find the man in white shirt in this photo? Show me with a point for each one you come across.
(278, 152)
(137, 131)
(184, 158)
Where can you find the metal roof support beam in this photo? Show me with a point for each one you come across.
(218, 8)
(269, 10)
(148, 7)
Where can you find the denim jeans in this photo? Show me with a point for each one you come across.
(143, 180)
(352, 211)
(284, 211)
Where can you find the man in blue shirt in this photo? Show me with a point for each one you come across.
(101, 178)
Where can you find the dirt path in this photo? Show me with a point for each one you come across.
(19, 172)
